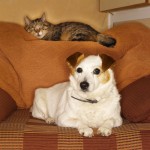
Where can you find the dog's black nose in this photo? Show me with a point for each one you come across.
(84, 85)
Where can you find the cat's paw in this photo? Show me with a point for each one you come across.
(86, 131)
(104, 131)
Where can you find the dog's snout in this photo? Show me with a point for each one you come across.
(84, 85)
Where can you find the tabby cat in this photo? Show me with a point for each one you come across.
(67, 31)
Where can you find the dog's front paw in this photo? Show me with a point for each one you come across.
(104, 131)
(50, 120)
(87, 132)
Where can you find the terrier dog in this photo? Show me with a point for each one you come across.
(89, 100)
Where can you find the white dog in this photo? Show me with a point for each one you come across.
(89, 100)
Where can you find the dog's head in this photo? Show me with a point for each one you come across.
(88, 73)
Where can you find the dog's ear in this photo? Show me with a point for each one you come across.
(74, 60)
(107, 61)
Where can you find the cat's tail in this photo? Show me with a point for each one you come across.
(106, 40)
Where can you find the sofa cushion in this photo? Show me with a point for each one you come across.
(7, 105)
(135, 102)
(22, 131)
(31, 63)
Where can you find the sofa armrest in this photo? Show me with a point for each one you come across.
(7, 105)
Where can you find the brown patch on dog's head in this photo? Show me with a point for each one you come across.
(74, 60)
(107, 62)
(104, 77)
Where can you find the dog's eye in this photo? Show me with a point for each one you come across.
(79, 70)
(96, 71)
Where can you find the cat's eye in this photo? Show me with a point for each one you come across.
(45, 28)
(31, 29)
(96, 71)
(79, 70)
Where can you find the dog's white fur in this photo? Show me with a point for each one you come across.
(55, 104)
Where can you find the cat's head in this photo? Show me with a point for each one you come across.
(37, 27)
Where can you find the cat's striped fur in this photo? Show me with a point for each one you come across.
(67, 31)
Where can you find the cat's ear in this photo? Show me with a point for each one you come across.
(74, 60)
(27, 20)
(107, 61)
(43, 17)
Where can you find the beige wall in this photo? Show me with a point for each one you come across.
(86, 11)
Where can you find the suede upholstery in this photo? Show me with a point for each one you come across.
(27, 63)
(7, 105)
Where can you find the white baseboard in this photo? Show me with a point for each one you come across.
(128, 15)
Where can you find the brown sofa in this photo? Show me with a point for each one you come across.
(27, 63)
